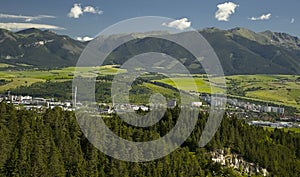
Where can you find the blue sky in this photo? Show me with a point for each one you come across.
(96, 15)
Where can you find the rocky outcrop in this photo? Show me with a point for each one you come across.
(236, 161)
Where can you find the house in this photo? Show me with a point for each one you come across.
(197, 104)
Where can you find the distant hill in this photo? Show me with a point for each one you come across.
(43, 49)
(240, 50)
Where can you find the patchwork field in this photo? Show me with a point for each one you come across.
(28, 77)
(279, 89)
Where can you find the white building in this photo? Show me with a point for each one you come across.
(197, 104)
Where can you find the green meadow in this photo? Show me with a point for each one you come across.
(278, 89)
(3, 65)
(16, 82)
(28, 77)
(191, 84)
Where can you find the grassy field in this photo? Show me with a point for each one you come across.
(279, 89)
(3, 65)
(16, 82)
(191, 84)
(28, 77)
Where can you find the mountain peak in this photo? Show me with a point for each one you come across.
(212, 29)
(241, 31)
(246, 33)
(283, 39)
(30, 31)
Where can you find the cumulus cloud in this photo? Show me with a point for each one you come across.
(292, 21)
(77, 10)
(19, 26)
(180, 24)
(25, 17)
(262, 17)
(225, 10)
(84, 39)
(90, 9)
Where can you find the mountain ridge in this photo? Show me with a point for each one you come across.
(43, 49)
(240, 50)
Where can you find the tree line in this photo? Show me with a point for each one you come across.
(52, 144)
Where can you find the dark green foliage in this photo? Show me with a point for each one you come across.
(52, 144)
(234, 89)
(277, 151)
(59, 90)
(3, 82)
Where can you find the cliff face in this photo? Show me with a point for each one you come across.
(227, 158)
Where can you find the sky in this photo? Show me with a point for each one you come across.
(84, 19)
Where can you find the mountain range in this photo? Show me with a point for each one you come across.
(240, 51)
(42, 49)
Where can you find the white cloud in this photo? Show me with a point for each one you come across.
(18, 26)
(90, 9)
(180, 24)
(77, 10)
(84, 39)
(262, 17)
(25, 17)
(225, 10)
(292, 20)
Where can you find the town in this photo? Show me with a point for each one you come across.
(245, 110)
(35, 103)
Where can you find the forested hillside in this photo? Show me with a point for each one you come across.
(240, 50)
(52, 144)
